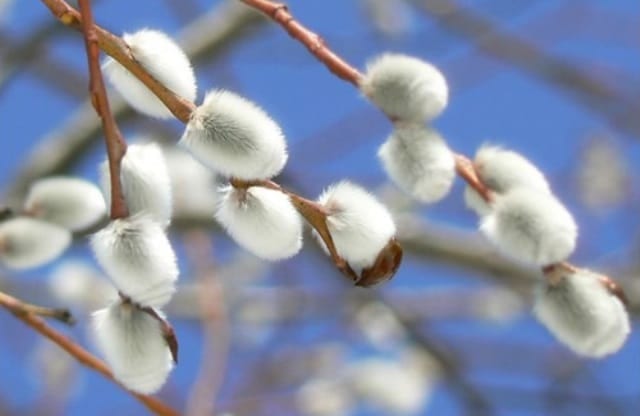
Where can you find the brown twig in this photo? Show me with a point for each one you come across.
(314, 213)
(26, 315)
(19, 307)
(314, 43)
(116, 146)
(467, 171)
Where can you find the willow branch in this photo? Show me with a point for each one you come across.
(116, 146)
(84, 357)
(388, 261)
(465, 169)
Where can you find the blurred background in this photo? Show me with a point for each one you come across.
(452, 333)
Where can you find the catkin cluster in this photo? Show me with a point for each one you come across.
(519, 214)
(412, 93)
(243, 145)
(135, 253)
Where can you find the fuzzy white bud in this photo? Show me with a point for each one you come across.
(502, 170)
(134, 346)
(77, 283)
(235, 137)
(72, 203)
(324, 397)
(405, 88)
(193, 185)
(531, 226)
(359, 224)
(137, 256)
(418, 160)
(583, 314)
(264, 221)
(145, 182)
(28, 242)
(164, 60)
(391, 386)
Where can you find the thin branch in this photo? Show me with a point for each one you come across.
(83, 356)
(116, 146)
(19, 307)
(314, 43)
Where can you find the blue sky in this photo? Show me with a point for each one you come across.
(490, 102)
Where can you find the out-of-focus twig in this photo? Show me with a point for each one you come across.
(215, 326)
(612, 105)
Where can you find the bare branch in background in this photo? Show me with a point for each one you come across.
(483, 33)
(215, 326)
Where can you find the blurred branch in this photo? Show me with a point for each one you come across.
(24, 56)
(448, 362)
(612, 105)
(215, 326)
(20, 53)
(83, 356)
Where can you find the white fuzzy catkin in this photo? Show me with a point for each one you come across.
(405, 88)
(418, 160)
(581, 312)
(193, 185)
(324, 397)
(391, 386)
(137, 256)
(359, 224)
(28, 242)
(145, 182)
(133, 345)
(263, 221)
(531, 226)
(502, 170)
(72, 203)
(235, 137)
(164, 60)
(78, 284)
